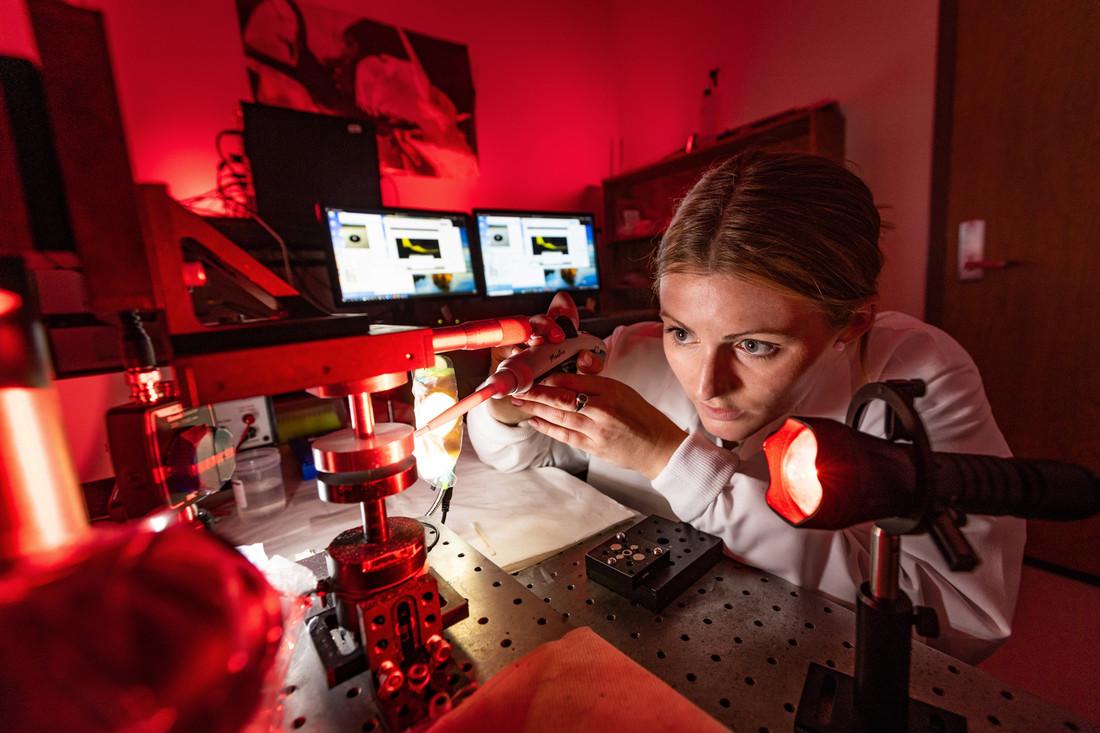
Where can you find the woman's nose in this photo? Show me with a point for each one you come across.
(715, 376)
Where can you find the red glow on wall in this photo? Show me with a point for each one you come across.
(194, 274)
(9, 302)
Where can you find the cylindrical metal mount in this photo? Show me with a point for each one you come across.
(362, 414)
(885, 563)
(360, 569)
(345, 452)
(379, 383)
(883, 648)
(349, 488)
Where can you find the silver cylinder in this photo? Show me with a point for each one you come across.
(885, 562)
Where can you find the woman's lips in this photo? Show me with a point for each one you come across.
(721, 414)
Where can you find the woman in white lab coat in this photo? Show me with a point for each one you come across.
(767, 283)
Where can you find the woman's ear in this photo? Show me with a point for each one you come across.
(862, 320)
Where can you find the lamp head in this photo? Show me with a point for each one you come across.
(825, 475)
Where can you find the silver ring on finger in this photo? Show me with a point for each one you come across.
(580, 402)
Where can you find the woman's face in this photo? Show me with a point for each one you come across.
(743, 353)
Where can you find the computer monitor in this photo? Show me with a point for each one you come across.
(393, 254)
(536, 252)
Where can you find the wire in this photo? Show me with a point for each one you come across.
(447, 493)
(435, 502)
(248, 421)
(434, 530)
(229, 194)
(278, 240)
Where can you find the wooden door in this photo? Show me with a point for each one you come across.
(1018, 146)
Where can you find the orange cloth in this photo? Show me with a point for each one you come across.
(578, 683)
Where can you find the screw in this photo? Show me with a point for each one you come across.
(611, 561)
(392, 677)
(658, 551)
(439, 649)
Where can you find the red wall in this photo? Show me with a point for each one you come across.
(875, 57)
(561, 85)
(545, 118)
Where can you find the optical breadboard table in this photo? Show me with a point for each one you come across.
(737, 643)
(505, 622)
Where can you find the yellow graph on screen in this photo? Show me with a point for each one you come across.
(553, 246)
(419, 246)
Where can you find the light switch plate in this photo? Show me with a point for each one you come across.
(971, 248)
(230, 415)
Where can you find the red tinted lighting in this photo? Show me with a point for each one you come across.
(795, 490)
(9, 302)
(194, 274)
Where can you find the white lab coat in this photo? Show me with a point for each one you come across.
(722, 492)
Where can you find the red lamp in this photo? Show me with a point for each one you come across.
(828, 475)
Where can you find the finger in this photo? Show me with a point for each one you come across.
(562, 399)
(563, 305)
(587, 383)
(566, 418)
(560, 434)
(501, 353)
(589, 363)
(543, 326)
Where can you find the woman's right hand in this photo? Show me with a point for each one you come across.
(543, 330)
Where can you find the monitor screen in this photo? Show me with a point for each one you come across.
(531, 252)
(391, 254)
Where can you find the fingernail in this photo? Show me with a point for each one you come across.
(517, 403)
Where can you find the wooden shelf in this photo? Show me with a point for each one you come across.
(654, 190)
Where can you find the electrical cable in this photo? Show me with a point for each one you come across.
(435, 531)
(234, 206)
(447, 493)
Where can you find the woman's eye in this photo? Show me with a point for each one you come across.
(679, 335)
(752, 347)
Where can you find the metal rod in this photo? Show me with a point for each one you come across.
(41, 506)
(362, 414)
(373, 514)
(885, 548)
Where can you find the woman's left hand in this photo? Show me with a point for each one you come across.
(615, 423)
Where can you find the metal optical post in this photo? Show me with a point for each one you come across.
(877, 699)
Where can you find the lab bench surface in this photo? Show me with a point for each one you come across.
(737, 643)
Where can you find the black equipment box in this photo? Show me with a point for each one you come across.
(301, 160)
(653, 561)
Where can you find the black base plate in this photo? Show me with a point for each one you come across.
(827, 706)
(657, 580)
